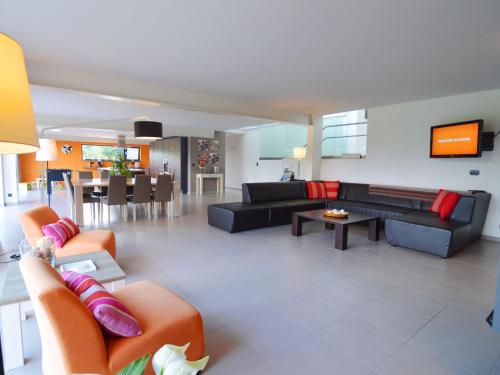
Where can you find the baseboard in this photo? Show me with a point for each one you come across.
(490, 238)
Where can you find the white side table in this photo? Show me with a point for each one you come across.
(201, 176)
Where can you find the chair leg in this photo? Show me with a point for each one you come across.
(109, 214)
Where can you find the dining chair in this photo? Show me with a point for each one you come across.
(163, 191)
(102, 191)
(117, 195)
(142, 193)
(104, 174)
(86, 175)
(87, 197)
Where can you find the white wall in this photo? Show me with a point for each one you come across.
(398, 149)
(243, 164)
(10, 178)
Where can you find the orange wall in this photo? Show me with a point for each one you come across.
(30, 169)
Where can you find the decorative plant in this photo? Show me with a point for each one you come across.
(120, 167)
(168, 360)
(202, 161)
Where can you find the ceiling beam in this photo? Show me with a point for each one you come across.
(48, 75)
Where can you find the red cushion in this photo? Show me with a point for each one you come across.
(444, 203)
(448, 205)
(316, 190)
(332, 189)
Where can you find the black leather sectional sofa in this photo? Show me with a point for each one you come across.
(408, 222)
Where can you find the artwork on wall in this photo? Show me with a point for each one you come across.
(66, 149)
(208, 153)
(214, 145)
(213, 158)
(203, 145)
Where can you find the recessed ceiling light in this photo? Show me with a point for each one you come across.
(55, 130)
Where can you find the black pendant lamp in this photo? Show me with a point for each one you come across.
(148, 130)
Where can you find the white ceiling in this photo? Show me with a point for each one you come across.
(301, 55)
(77, 115)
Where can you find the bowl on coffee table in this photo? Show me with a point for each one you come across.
(336, 214)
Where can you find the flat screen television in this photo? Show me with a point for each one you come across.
(457, 140)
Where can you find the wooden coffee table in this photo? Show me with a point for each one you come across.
(340, 225)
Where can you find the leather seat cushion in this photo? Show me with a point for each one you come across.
(280, 213)
(372, 209)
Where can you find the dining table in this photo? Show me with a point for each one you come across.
(80, 184)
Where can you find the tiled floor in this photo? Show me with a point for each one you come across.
(276, 304)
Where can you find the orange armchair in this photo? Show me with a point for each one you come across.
(72, 342)
(33, 220)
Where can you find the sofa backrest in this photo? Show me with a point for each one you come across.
(273, 191)
(34, 219)
(359, 193)
(479, 212)
(72, 341)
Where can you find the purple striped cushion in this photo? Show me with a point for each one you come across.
(111, 314)
(56, 231)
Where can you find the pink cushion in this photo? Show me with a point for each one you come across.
(111, 314)
(61, 231)
(70, 226)
(56, 231)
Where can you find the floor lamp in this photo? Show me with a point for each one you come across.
(299, 153)
(18, 133)
(48, 152)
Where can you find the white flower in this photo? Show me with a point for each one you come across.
(171, 360)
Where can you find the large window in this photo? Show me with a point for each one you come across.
(345, 134)
(278, 141)
(109, 153)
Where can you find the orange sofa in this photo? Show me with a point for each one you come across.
(84, 242)
(72, 342)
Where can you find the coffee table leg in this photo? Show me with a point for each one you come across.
(341, 236)
(296, 225)
(12, 337)
(374, 230)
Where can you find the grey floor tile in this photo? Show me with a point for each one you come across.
(465, 350)
(416, 302)
(270, 332)
(397, 321)
(342, 296)
(310, 312)
(468, 322)
(411, 360)
(316, 356)
(366, 343)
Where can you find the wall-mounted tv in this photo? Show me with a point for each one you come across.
(457, 140)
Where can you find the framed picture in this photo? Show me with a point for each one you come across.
(214, 145)
(203, 145)
(213, 158)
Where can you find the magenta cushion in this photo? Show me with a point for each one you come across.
(56, 231)
(111, 314)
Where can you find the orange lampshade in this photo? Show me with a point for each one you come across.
(18, 133)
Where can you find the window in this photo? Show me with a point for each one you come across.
(344, 133)
(109, 153)
(278, 141)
